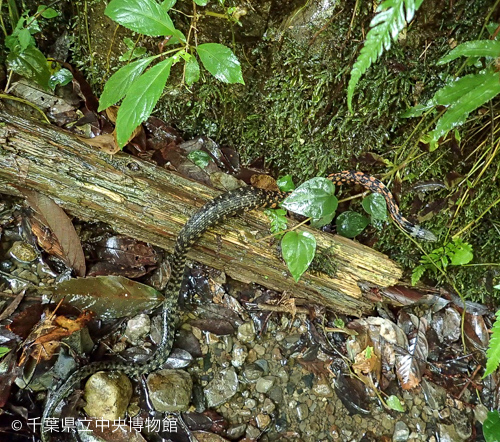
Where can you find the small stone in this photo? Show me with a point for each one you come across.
(302, 412)
(23, 252)
(252, 372)
(401, 432)
(259, 349)
(138, 328)
(246, 332)
(221, 388)
(250, 403)
(322, 388)
(480, 413)
(262, 420)
(238, 355)
(170, 390)
(108, 395)
(264, 384)
(235, 432)
(252, 432)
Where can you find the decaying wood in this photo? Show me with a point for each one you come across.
(146, 202)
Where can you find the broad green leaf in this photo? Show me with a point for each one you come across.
(418, 110)
(320, 222)
(461, 253)
(200, 158)
(31, 64)
(46, 12)
(140, 100)
(4, 351)
(168, 4)
(351, 224)
(314, 198)
(451, 92)
(278, 220)
(493, 352)
(298, 251)
(457, 113)
(119, 83)
(25, 38)
(475, 48)
(285, 183)
(375, 205)
(191, 71)
(491, 427)
(394, 403)
(201, 2)
(63, 77)
(220, 61)
(144, 16)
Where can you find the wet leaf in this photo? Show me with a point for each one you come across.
(31, 64)
(394, 403)
(491, 427)
(375, 205)
(119, 83)
(475, 48)
(47, 12)
(285, 183)
(493, 352)
(278, 220)
(298, 251)
(191, 71)
(140, 100)
(351, 224)
(4, 351)
(315, 198)
(64, 242)
(220, 61)
(200, 158)
(62, 76)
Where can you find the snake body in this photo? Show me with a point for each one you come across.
(212, 213)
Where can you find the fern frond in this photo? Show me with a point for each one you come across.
(493, 352)
(385, 26)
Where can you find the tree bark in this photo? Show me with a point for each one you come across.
(149, 203)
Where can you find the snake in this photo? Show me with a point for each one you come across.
(212, 213)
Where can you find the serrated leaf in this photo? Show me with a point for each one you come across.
(285, 183)
(351, 224)
(314, 198)
(220, 61)
(141, 99)
(493, 352)
(458, 112)
(491, 427)
(277, 218)
(461, 254)
(385, 27)
(475, 48)
(31, 64)
(417, 273)
(191, 71)
(119, 83)
(200, 158)
(375, 205)
(394, 403)
(298, 249)
(144, 16)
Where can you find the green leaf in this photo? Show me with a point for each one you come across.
(31, 64)
(25, 38)
(385, 27)
(461, 253)
(491, 427)
(119, 83)
(394, 403)
(220, 61)
(140, 100)
(285, 183)
(314, 198)
(351, 224)
(278, 220)
(143, 16)
(457, 113)
(317, 223)
(191, 71)
(339, 323)
(451, 92)
(47, 12)
(200, 158)
(63, 77)
(201, 2)
(298, 250)
(475, 48)
(376, 206)
(497, 286)
(4, 351)
(168, 4)
(493, 352)
(418, 110)
(417, 273)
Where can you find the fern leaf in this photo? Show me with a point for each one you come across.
(417, 273)
(385, 27)
(493, 352)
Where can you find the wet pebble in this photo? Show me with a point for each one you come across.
(264, 384)
(246, 332)
(401, 432)
(222, 387)
(23, 252)
(170, 390)
(137, 328)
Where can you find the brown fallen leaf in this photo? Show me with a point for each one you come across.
(106, 143)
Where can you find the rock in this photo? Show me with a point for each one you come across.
(108, 395)
(23, 252)
(137, 328)
(239, 354)
(170, 390)
(401, 432)
(221, 388)
(264, 384)
(246, 332)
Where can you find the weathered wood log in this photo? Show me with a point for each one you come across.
(146, 202)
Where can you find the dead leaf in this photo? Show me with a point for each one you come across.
(106, 143)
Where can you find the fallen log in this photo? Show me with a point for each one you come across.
(144, 201)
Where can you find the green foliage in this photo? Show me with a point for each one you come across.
(394, 403)
(277, 217)
(493, 352)
(141, 90)
(385, 26)
(454, 253)
(200, 158)
(298, 249)
(315, 198)
(463, 95)
(351, 224)
(375, 205)
(285, 183)
(4, 351)
(24, 58)
(133, 50)
(491, 427)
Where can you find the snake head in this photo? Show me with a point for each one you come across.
(421, 233)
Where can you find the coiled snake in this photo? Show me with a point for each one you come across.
(213, 212)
